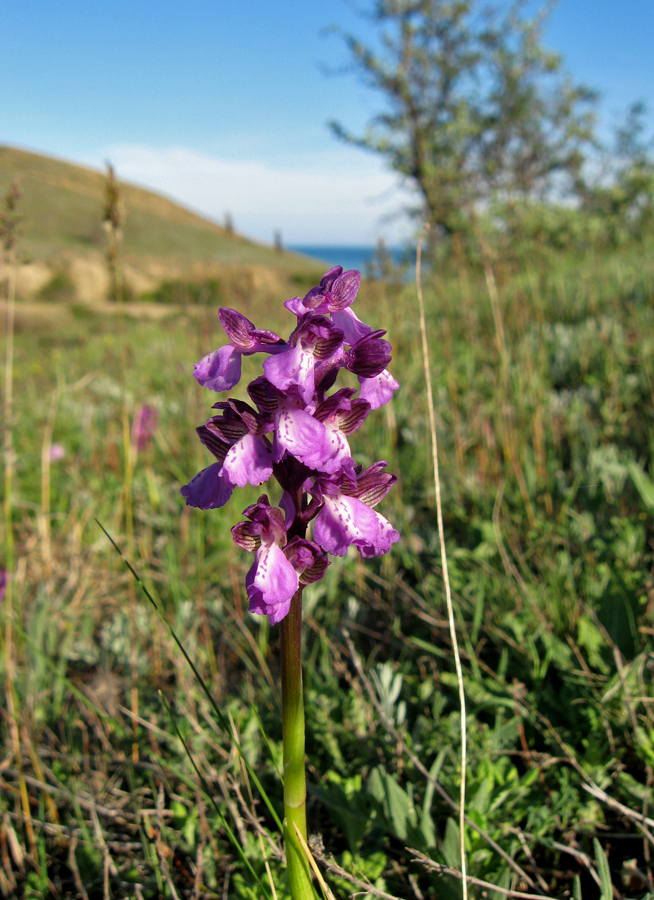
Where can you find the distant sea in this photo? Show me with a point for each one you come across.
(348, 257)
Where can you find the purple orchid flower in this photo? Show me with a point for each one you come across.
(378, 390)
(221, 369)
(347, 517)
(244, 455)
(299, 434)
(335, 294)
(144, 426)
(337, 291)
(315, 338)
(279, 565)
(320, 440)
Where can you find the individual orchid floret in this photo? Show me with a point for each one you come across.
(346, 517)
(279, 565)
(221, 369)
(307, 558)
(343, 411)
(337, 291)
(378, 390)
(210, 488)
(369, 356)
(314, 339)
(235, 437)
(249, 458)
(320, 440)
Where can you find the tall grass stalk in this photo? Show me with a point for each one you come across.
(446, 577)
(9, 263)
(113, 220)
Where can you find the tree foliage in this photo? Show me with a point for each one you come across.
(476, 109)
(622, 193)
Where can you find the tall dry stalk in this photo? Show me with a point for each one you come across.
(446, 577)
(10, 219)
(113, 223)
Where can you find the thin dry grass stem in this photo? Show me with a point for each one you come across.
(314, 866)
(72, 862)
(446, 578)
(46, 446)
(491, 285)
(446, 870)
(247, 634)
(638, 818)
(9, 261)
(38, 771)
(113, 221)
(163, 850)
(510, 444)
(332, 866)
(583, 858)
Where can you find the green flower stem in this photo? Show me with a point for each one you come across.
(295, 792)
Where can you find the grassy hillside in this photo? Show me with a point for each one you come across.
(62, 206)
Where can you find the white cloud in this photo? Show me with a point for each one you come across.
(340, 198)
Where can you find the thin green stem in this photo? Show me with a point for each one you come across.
(295, 792)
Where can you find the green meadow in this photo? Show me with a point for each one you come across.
(120, 776)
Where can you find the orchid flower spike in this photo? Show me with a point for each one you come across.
(297, 433)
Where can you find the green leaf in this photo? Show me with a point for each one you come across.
(604, 871)
(397, 805)
(452, 844)
(643, 484)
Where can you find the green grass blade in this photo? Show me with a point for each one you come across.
(221, 718)
(230, 834)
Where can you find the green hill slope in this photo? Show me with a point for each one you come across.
(62, 206)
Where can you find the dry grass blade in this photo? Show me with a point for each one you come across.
(446, 579)
(446, 870)
(316, 871)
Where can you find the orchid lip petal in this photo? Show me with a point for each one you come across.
(293, 367)
(248, 461)
(310, 441)
(378, 390)
(220, 370)
(209, 489)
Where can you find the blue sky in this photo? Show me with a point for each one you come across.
(223, 105)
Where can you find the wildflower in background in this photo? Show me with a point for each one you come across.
(297, 433)
(57, 452)
(144, 426)
(3, 583)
